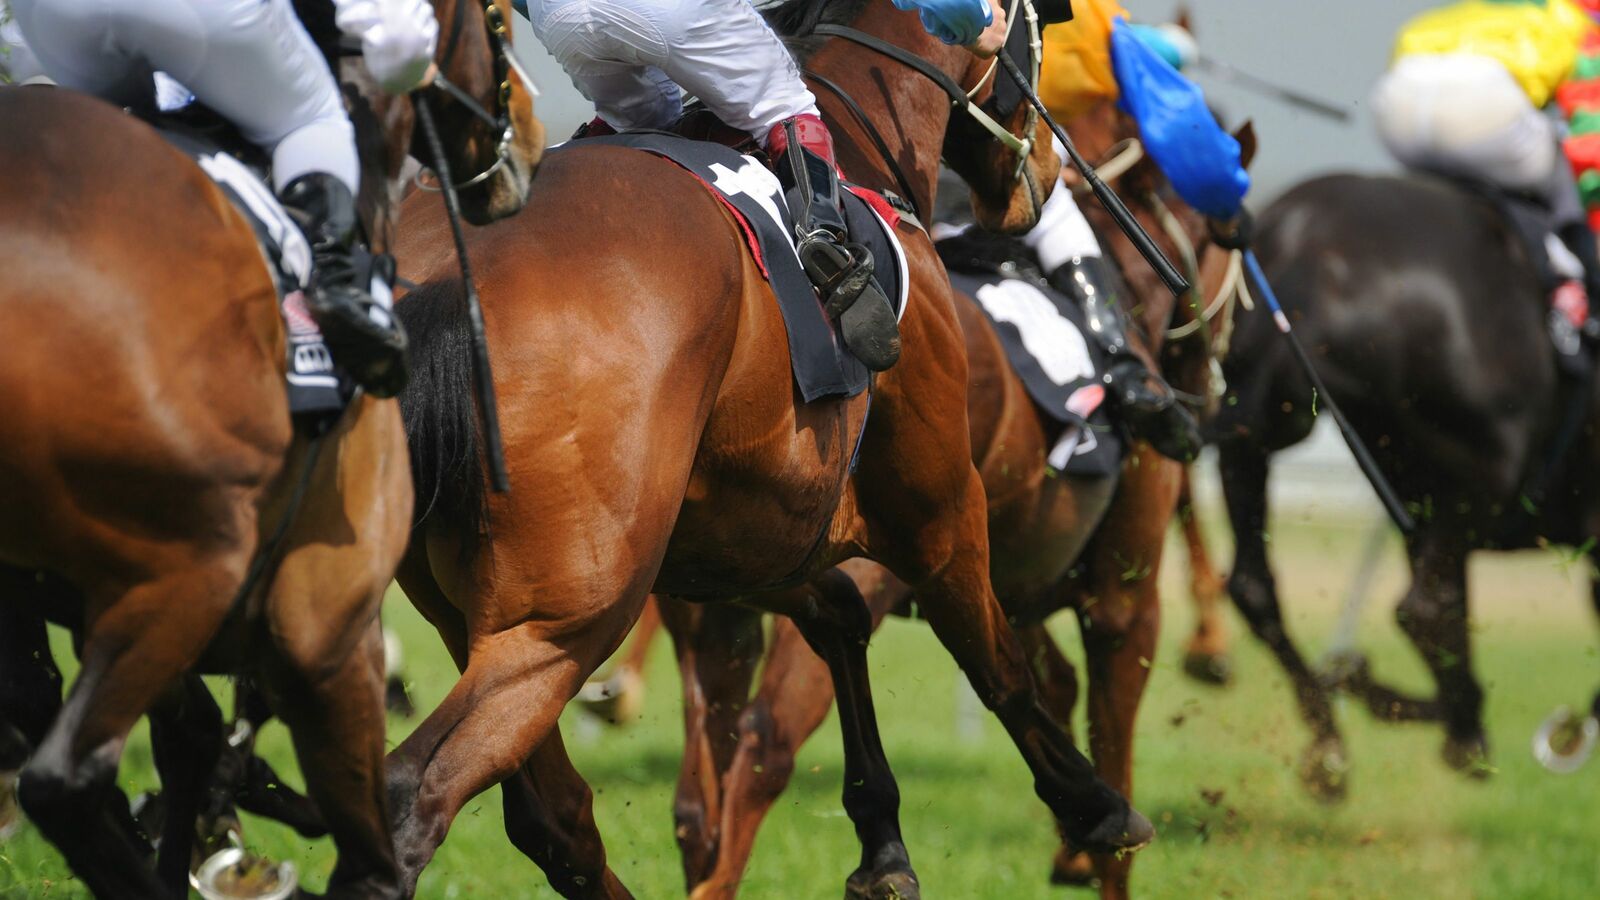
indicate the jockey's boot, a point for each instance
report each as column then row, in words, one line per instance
column 1580, row 239
column 802, row 152
column 363, row 336
column 1147, row 405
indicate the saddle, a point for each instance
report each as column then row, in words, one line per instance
column 1043, row 334
column 730, row 166
column 317, row 389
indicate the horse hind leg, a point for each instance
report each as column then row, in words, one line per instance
column 145, row 639
column 549, row 812
column 832, row 616
column 1434, row 615
column 1324, row 767
column 718, row 648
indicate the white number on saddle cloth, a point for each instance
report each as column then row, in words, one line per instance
column 293, row 248
column 759, row 184
column 1052, row 340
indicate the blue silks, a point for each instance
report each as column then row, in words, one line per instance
column 952, row 21
column 1200, row 159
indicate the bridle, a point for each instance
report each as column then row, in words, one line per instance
column 505, row 64
column 960, row 98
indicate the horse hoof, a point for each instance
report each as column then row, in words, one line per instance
column 1469, row 756
column 1071, row 868
column 10, row 810
column 1325, row 770
column 1209, row 668
column 237, row 874
column 1343, row 668
column 616, row 700
column 899, row 885
column 1563, row 743
column 1123, row 831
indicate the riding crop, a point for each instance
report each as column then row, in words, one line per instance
column 494, row 448
column 1175, row 282
column 1226, row 72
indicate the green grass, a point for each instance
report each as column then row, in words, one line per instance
column 1410, row 828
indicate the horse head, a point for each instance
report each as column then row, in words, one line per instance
column 904, row 99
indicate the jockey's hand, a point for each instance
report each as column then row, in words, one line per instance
column 963, row 22
column 993, row 39
column 398, row 38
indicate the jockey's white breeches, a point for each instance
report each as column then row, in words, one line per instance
column 1062, row 234
column 1464, row 115
column 635, row 59
column 17, row 62
column 250, row 60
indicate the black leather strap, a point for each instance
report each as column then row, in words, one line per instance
column 958, row 97
column 873, row 135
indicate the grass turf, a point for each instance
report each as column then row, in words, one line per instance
column 1215, row 769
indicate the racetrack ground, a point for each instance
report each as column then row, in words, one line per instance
column 1215, row 768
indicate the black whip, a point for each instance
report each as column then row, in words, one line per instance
column 1175, row 282
column 494, row 449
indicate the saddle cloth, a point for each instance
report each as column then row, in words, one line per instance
column 1043, row 333
column 823, row 367
column 316, row 387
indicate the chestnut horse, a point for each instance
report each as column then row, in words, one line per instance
column 158, row 498
column 655, row 442
column 739, row 756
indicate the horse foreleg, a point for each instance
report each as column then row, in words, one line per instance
column 718, row 647
column 1434, row 615
column 835, row 621
column 550, row 817
column 147, row 636
column 1324, row 765
column 30, row 687
column 1058, row 692
column 948, row 568
column 186, row 740
column 1205, row 657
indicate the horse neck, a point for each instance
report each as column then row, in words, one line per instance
column 909, row 111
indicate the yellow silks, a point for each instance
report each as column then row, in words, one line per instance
column 1076, row 72
column 1536, row 40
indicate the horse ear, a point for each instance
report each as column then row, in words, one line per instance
column 1183, row 19
column 1246, row 136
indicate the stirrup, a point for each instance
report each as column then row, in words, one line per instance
column 843, row 273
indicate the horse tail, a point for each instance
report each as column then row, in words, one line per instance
column 441, row 415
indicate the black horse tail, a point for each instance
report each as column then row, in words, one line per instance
column 441, row 415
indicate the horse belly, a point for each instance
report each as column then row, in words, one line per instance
column 1033, row 548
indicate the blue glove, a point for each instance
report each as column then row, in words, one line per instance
column 952, row 21
column 1200, row 159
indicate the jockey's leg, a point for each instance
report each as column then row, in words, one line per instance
column 1069, row 252
column 253, row 62
column 632, row 56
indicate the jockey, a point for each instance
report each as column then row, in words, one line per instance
column 253, row 62
column 1467, row 97
column 635, row 59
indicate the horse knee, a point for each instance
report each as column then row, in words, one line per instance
column 58, row 795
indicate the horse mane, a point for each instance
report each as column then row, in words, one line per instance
column 795, row 20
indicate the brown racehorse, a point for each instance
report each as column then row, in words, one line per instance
column 655, row 441
column 156, row 486
column 739, row 757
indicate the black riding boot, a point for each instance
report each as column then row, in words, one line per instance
column 364, row 338
column 802, row 151
column 1144, row 400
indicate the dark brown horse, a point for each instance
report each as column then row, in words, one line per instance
column 158, row 499
column 739, row 756
column 656, row 443
column 1427, row 320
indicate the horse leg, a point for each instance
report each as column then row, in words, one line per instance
column 1058, row 693
column 140, row 644
column 549, row 812
column 1324, row 766
column 948, row 567
column 834, row 619
column 253, row 785
column 186, row 741
column 1434, row 615
column 1205, row 657
column 718, row 648
column 30, row 687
